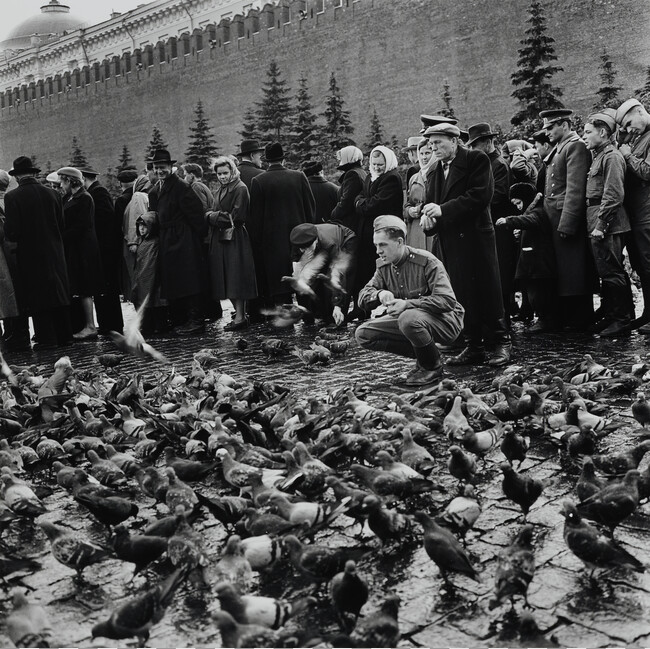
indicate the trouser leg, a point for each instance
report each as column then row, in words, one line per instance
column 109, row 312
column 44, row 328
column 638, row 248
column 542, row 294
column 384, row 335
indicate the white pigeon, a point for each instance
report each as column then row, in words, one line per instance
column 132, row 342
column 309, row 266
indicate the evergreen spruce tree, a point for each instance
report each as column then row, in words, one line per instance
column 274, row 111
column 338, row 127
column 111, row 182
column 447, row 109
column 643, row 93
column 125, row 159
column 250, row 127
column 608, row 91
column 78, row 158
column 376, row 133
column 202, row 148
column 306, row 135
column 532, row 80
column 157, row 142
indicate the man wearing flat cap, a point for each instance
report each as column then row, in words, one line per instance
column 565, row 205
column 324, row 252
column 182, row 229
column 634, row 122
column 607, row 223
column 457, row 207
column 34, row 226
column 421, row 308
column 108, row 228
column 481, row 138
column 325, row 192
column 281, row 199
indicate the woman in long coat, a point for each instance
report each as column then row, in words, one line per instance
column 382, row 194
column 81, row 247
column 415, row 236
column 351, row 185
column 232, row 272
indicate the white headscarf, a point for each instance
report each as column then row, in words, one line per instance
column 349, row 154
column 389, row 156
column 425, row 168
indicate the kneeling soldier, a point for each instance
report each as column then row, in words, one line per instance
column 421, row 308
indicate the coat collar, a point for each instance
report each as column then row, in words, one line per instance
column 28, row 180
column 456, row 171
column 171, row 182
column 572, row 137
column 316, row 179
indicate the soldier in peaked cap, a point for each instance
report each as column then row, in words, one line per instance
column 607, row 223
column 457, row 207
column 421, row 308
column 565, row 205
column 634, row 122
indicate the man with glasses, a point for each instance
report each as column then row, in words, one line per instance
column 565, row 205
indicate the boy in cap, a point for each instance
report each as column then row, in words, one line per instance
column 421, row 308
column 634, row 122
column 607, row 223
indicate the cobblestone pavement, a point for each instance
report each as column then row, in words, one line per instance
column 612, row 611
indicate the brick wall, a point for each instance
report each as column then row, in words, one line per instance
column 388, row 54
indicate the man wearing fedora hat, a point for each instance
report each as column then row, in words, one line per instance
column 34, row 224
column 108, row 228
column 281, row 199
column 325, row 192
column 457, row 207
column 182, row 229
column 481, row 138
column 634, row 122
column 565, row 205
column 250, row 161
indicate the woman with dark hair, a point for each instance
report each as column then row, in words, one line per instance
column 230, row 256
column 382, row 194
column 81, row 247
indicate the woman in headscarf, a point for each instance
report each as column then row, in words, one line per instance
column 230, row 256
column 382, row 194
column 351, row 185
column 415, row 236
column 81, row 247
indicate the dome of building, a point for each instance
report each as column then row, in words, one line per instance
column 54, row 19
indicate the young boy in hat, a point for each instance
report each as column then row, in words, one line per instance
column 421, row 308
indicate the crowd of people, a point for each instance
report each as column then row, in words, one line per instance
column 443, row 250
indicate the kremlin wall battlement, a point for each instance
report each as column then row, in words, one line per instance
column 387, row 55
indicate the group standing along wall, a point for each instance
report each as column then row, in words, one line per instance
column 391, row 55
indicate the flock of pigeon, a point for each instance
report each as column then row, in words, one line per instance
column 309, row 499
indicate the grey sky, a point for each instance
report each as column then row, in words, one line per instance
column 91, row 11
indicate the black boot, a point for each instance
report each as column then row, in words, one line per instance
column 605, row 312
column 620, row 313
column 429, row 366
column 644, row 318
column 195, row 323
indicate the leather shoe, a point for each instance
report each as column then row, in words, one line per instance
column 237, row 326
column 501, row 355
column 424, row 377
column 539, row 327
column 469, row 356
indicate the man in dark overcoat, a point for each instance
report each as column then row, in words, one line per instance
column 326, row 193
column 250, row 161
column 280, row 200
column 182, row 230
column 481, row 138
column 34, row 223
column 566, row 207
column 457, row 206
column 108, row 228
